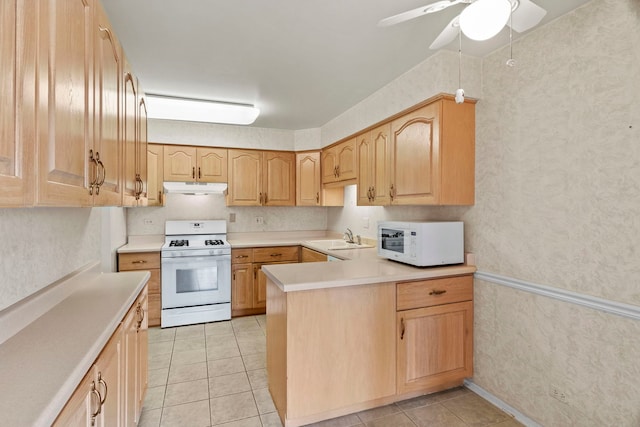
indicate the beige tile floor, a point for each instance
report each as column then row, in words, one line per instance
column 215, row 375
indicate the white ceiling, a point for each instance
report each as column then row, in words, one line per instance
column 302, row 62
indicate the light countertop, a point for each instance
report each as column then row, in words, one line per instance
column 363, row 271
column 150, row 243
column 41, row 365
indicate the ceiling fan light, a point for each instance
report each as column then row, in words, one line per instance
column 483, row 19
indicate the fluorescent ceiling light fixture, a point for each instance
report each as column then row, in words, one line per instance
column 195, row 110
column 483, row 19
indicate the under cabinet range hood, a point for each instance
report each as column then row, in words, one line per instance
column 195, row 187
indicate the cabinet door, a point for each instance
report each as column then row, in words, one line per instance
column 308, row 184
column 212, row 165
column 346, row 154
column 414, row 157
column 155, row 174
column 107, row 91
column 309, row 255
column 66, row 102
column 130, row 184
column 242, row 286
column 329, row 165
column 179, row 163
column 17, row 97
column 141, row 149
column 108, row 374
column 129, row 327
column 142, row 379
column 83, row 403
column 366, row 169
column 435, row 347
column 245, row 178
column 381, row 149
column 279, row 179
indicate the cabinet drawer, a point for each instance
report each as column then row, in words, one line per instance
column 427, row 293
column 275, row 254
column 138, row 261
column 241, row 255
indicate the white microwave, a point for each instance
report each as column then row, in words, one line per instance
column 423, row 244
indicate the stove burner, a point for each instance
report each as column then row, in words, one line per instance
column 213, row 242
column 179, row 243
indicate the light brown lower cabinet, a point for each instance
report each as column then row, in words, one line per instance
column 149, row 261
column 309, row 255
column 248, row 282
column 118, row 375
column 335, row 351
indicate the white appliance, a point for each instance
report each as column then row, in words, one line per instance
column 196, row 273
column 423, row 244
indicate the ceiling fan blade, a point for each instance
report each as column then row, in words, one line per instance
column 447, row 35
column 414, row 13
column 527, row 15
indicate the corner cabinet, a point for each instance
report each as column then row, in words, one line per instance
column 339, row 163
column 435, row 333
column 261, row 178
column 309, row 188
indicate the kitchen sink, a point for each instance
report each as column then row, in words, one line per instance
column 337, row 244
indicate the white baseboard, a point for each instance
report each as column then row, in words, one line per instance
column 519, row 416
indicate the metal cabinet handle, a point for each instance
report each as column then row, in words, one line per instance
column 437, row 292
column 335, row 171
column 100, row 176
column 141, row 261
column 242, row 256
column 317, row 197
column 160, row 196
column 391, row 192
column 140, row 313
column 95, row 393
column 104, row 384
column 401, row 328
column 255, row 272
column 95, row 180
column 260, row 198
column 199, row 173
column 276, row 254
column 193, row 172
column 338, row 171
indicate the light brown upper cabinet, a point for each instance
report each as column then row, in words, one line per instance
column 261, row 178
column 339, row 162
column 195, row 164
column 106, row 184
column 141, row 148
column 66, row 102
column 130, row 177
column 308, row 185
column 433, row 154
column 155, row 174
column 373, row 151
column 17, row 98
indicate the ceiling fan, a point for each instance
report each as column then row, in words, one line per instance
column 479, row 20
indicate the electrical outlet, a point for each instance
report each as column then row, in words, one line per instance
column 232, row 217
column 558, row 394
column 148, row 221
column 259, row 220
column 365, row 222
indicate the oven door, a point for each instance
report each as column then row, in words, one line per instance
column 198, row 280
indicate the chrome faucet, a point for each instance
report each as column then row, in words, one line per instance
column 348, row 236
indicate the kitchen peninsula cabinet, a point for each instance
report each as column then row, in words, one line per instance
column 149, row 261
column 261, row 178
column 195, row 164
column 155, row 174
column 135, row 349
column 17, row 95
column 248, row 282
column 339, row 163
column 373, row 151
column 435, row 333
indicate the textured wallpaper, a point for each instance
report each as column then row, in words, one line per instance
column 42, row 245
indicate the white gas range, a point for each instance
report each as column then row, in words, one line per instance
column 196, row 273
